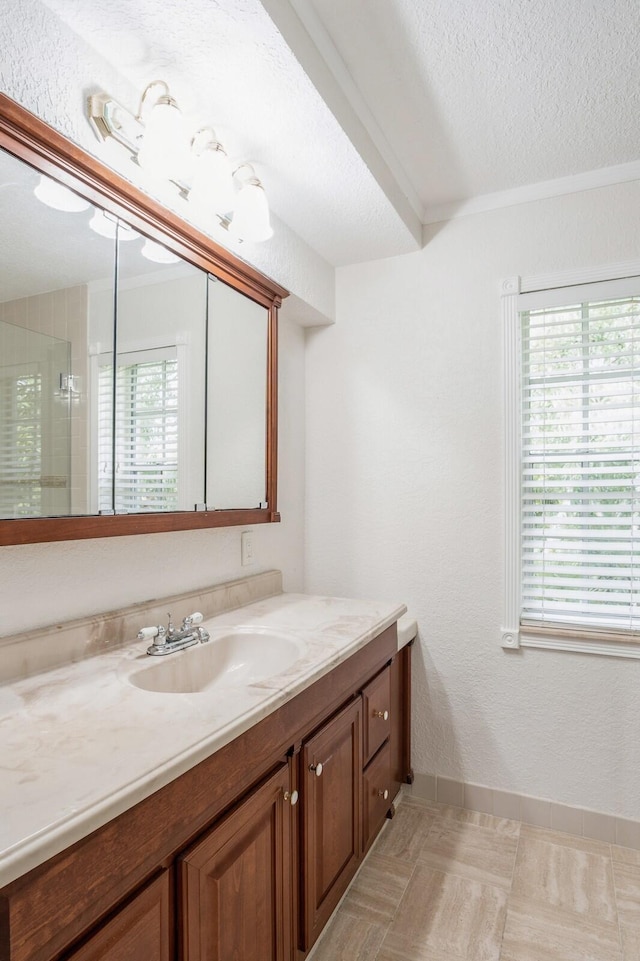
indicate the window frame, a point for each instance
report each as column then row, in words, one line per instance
column 518, row 294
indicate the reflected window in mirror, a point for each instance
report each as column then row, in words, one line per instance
column 149, row 421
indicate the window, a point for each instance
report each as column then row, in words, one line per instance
column 573, row 375
column 146, row 433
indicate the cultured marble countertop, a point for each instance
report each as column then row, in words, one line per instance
column 80, row 744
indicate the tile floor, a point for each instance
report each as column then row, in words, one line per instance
column 445, row 884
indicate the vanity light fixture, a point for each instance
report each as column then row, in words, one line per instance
column 251, row 214
column 212, row 183
column 155, row 140
column 157, row 253
column 163, row 152
column 53, row 194
column 107, row 226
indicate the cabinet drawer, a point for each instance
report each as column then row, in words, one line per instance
column 142, row 929
column 377, row 713
column 377, row 794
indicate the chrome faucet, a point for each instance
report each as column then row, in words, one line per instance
column 168, row 639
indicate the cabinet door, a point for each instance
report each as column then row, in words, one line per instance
column 332, row 777
column 235, row 884
column 142, row 929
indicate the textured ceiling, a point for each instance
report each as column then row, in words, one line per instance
column 228, row 66
column 479, row 96
column 363, row 116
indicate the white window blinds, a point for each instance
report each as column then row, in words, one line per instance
column 580, row 429
column 20, row 442
column 146, row 433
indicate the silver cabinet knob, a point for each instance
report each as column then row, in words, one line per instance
column 383, row 715
column 384, row 794
column 317, row 768
column 291, row 797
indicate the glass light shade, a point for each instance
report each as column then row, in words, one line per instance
column 251, row 216
column 53, row 194
column 106, row 227
column 157, row 253
column 164, row 152
column 213, row 188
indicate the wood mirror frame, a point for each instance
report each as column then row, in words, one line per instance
column 27, row 137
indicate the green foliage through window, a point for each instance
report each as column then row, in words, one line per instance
column 581, row 465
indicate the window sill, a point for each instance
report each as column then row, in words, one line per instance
column 579, row 642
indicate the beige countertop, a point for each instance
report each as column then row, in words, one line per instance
column 80, row 744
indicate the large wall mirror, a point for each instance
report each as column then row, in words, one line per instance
column 137, row 358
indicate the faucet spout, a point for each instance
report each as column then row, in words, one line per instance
column 169, row 639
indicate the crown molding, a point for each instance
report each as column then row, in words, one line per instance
column 545, row 190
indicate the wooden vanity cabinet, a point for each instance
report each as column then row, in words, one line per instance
column 332, row 806
column 376, row 700
column 377, row 795
column 141, row 929
column 400, row 712
column 218, row 865
column 235, row 883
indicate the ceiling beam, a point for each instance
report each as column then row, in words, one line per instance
column 314, row 49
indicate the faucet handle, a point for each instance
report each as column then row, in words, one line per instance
column 146, row 633
column 191, row 619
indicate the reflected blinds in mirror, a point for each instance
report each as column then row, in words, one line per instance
column 146, row 433
column 20, row 442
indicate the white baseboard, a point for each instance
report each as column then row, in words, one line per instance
column 531, row 810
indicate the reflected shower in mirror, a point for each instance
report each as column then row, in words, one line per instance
column 50, row 258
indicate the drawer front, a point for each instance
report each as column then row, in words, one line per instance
column 142, row 929
column 377, row 713
column 377, row 791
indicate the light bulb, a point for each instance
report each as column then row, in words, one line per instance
column 101, row 224
column 212, row 188
column 251, row 216
column 53, row 194
column 157, row 253
column 163, row 153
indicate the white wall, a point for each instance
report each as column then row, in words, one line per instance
column 405, row 500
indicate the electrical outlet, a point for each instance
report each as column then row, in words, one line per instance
column 246, row 548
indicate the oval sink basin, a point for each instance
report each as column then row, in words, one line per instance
column 233, row 658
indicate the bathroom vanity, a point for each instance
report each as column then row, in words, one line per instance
column 247, row 820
